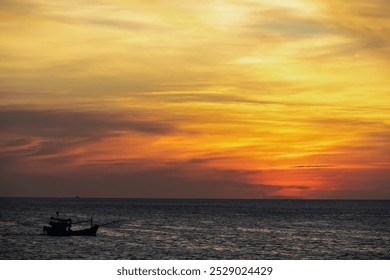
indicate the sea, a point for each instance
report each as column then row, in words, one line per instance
column 197, row 229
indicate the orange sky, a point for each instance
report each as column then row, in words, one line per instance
column 198, row 99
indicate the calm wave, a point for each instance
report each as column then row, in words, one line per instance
column 199, row 229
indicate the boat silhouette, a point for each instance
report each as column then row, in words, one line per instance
column 63, row 227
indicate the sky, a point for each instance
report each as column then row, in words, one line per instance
column 195, row 99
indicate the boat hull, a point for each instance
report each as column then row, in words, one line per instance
column 82, row 232
column 88, row 231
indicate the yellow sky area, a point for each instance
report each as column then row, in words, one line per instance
column 278, row 86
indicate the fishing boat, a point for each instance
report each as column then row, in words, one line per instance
column 63, row 227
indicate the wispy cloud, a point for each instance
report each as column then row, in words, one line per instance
column 63, row 134
column 67, row 123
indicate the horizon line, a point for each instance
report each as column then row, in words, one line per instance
column 187, row 198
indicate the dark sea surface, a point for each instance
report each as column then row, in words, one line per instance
column 199, row 229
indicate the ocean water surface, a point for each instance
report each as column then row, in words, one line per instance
column 198, row 229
